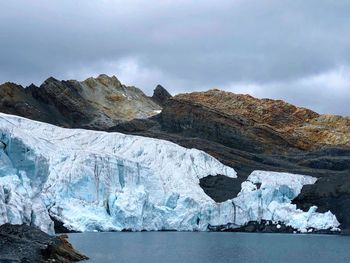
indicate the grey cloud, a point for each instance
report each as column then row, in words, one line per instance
column 184, row 45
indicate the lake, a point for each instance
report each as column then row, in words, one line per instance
column 192, row 247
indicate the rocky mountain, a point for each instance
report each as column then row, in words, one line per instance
column 249, row 134
column 240, row 131
column 95, row 103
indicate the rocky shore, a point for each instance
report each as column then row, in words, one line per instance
column 26, row 244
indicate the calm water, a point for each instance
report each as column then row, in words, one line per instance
column 153, row 247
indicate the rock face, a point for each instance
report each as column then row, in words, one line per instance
column 264, row 122
column 161, row 95
column 250, row 134
column 22, row 243
column 96, row 103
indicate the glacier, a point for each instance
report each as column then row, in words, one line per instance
column 99, row 181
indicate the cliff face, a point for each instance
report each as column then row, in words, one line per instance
column 301, row 128
column 96, row 103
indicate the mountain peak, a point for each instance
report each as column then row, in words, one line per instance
column 50, row 80
column 161, row 95
column 97, row 103
column 108, row 80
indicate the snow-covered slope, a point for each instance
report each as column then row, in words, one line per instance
column 110, row 181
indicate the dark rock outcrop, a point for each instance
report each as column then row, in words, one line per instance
column 59, row 226
column 331, row 192
column 161, row 95
column 265, row 226
column 22, row 243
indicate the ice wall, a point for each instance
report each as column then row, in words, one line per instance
column 110, row 181
column 20, row 179
column 268, row 195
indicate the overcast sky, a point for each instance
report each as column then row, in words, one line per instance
column 294, row 50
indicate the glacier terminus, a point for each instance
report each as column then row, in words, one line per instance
column 99, row 181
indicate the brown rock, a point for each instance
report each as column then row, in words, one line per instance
column 301, row 127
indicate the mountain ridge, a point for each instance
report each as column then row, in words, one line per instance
column 281, row 116
column 95, row 103
column 240, row 131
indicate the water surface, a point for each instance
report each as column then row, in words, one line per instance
column 192, row 247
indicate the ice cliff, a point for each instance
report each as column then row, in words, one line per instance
column 98, row 181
